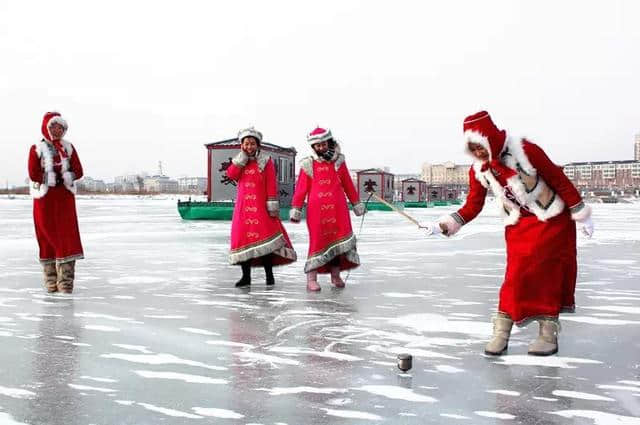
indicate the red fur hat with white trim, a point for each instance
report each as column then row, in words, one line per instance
column 49, row 119
column 319, row 135
column 479, row 128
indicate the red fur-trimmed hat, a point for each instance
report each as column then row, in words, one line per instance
column 479, row 128
column 49, row 119
column 319, row 135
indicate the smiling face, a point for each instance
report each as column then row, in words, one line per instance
column 249, row 145
column 478, row 151
column 56, row 130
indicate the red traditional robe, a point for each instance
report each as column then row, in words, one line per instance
column 325, row 183
column 541, row 270
column 54, row 207
column 254, row 233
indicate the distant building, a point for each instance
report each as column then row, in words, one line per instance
column 604, row 174
column 636, row 148
column 445, row 192
column 91, row 185
column 447, row 173
column 128, row 183
column 413, row 190
column 375, row 180
column 219, row 155
column 196, row 185
column 160, row 184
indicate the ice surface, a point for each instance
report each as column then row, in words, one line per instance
column 155, row 332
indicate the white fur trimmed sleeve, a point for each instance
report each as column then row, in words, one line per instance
column 580, row 211
column 273, row 206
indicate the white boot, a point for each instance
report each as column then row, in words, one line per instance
column 502, row 325
column 547, row 342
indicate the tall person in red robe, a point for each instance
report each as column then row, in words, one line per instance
column 541, row 207
column 54, row 166
column 257, row 235
column 324, row 179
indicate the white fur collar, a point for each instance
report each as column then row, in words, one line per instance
column 46, row 152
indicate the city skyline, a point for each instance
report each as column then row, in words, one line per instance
column 392, row 83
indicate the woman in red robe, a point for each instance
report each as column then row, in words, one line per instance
column 257, row 235
column 54, row 166
column 324, row 179
column 540, row 206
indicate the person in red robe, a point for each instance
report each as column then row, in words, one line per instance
column 541, row 207
column 257, row 235
column 324, row 179
column 54, row 167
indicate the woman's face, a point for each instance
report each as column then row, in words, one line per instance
column 56, row 131
column 249, row 145
column 479, row 151
column 320, row 147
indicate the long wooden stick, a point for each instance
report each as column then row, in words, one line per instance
column 393, row 207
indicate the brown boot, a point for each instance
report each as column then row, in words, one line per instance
column 66, row 275
column 50, row 277
column 502, row 325
column 547, row 342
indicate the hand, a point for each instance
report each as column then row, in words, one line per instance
column 273, row 213
column 68, row 178
column 359, row 209
column 430, row 228
column 586, row 227
column 295, row 215
column 51, row 178
column 241, row 159
column 448, row 225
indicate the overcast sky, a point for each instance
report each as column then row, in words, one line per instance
column 141, row 82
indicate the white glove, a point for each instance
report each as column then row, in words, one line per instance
column 450, row 224
column 586, row 226
column 430, row 228
column 68, row 178
column 295, row 215
column 241, row 159
column 359, row 209
column 51, row 178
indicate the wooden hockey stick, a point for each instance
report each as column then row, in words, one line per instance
column 393, row 207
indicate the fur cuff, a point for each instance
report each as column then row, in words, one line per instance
column 68, row 177
column 580, row 211
column 295, row 214
column 51, row 178
column 452, row 224
column 273, row 206
column 241, row 159
column 358, row 209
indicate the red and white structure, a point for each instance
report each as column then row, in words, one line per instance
column 375, row 180
column 222, row 189
column 414, row 190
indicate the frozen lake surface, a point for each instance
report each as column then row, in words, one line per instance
column 155, row 332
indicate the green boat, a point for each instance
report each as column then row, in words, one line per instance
column 190, row 210
column 416, row 205
column 379, row 206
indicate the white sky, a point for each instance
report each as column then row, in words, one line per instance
column 141, row 82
